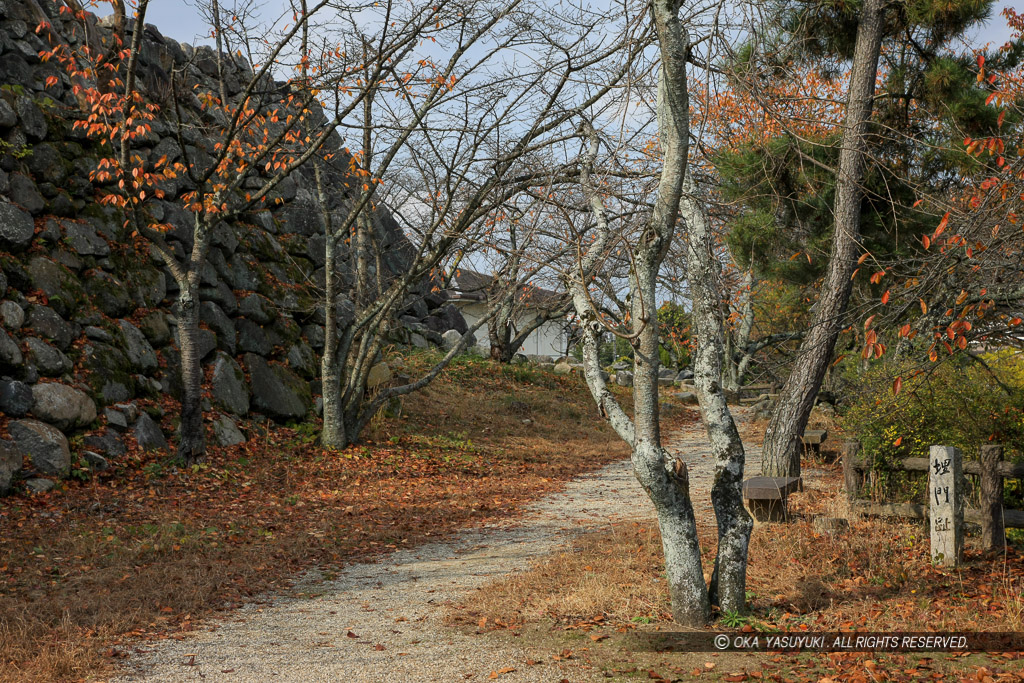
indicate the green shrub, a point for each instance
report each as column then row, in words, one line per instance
column 966, row 405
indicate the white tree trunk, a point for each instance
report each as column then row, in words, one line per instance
column 728, row 585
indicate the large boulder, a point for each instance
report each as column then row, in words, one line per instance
column 450, row 339
column 63, row 292
column 277, row 392
column 62, row 406
column 257, row 308
column 45, row 445
column 109, row 294
column 252, row 338
column 155, row 328
column 563, row 369
column 218, row 321
column 108, row 442
column 379, row 374
column 16, row 226
column 15, row 398
column 12, row 316
column 148, row 435
column 624, row 378
column 49, row 360
column 82, row 238
column 140, row 354
column 302, row 359
column 46, row 323
column 11, row 359
column 108, row 372
column 228, row 388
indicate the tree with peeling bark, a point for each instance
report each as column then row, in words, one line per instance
column 666, row 479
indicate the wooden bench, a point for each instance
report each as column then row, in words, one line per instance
column 813, row 438
column 767, row 497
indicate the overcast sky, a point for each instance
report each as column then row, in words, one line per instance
column 180, row 20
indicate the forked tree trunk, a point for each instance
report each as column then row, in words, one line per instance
column 666, row 482
column 782, row 439
column 729, row 581
column 192, row 441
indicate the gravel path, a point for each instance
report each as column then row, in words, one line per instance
column 383, row 622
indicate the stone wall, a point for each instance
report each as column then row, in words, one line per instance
column 87, row 327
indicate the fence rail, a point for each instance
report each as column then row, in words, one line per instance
column 990, row 468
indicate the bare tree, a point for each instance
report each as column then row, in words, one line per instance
column 447, row 138
column 666, row 480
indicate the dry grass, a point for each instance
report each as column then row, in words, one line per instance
column 146, row 550
column 875, row 576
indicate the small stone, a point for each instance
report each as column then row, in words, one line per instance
column 226, row 432
column 830, row 525
column 98, row 334
column 624, row 378
column 95, row 461
column 39, row 485
column 116, row 419
column 130, row 410
column 563, row 369
column 108, row 442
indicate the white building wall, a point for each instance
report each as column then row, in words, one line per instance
column 546, row 340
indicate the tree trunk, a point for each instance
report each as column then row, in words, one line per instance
column 729, row 580
column 499, row 331
column 334, row 434
column 667, row 484
column 782, row 443
column 192, row 441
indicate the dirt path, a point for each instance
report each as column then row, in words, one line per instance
column 383, row 621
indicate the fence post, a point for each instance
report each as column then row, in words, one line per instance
column 993, row 535
column 945, row 486
column 851, row 479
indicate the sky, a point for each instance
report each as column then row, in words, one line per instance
column 180, row 20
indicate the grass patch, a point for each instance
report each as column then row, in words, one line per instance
column 147, row 549
column 876, row 576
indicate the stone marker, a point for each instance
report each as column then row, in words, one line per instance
column 945, row 493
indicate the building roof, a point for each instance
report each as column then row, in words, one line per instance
column 469, row 285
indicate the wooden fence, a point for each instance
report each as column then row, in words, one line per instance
column 990, row 469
